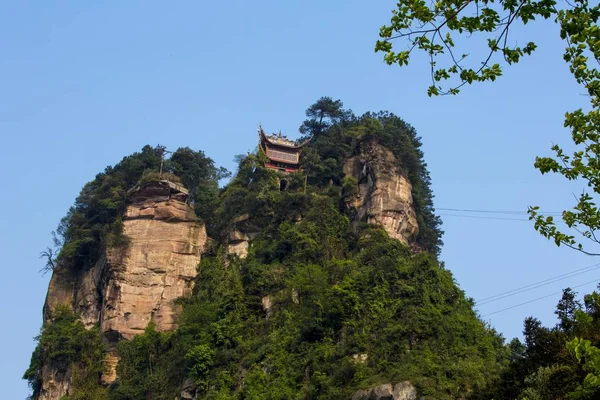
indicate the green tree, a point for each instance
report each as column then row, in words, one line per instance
column 201, row 360
column 336, row 134
column 435, row 28
column 567, row 309
column 562, row 362
column 96, row 217
column 323, row 114
column 201, row 177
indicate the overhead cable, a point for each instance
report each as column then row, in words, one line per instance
column 497, row 211
column 536, row 285
column 483, row 217
column 539, row 298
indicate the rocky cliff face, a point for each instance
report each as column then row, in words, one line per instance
column 136, row 283
column 383, row 195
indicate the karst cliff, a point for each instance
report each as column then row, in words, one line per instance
column 140, row 280
column 312, row 274
column 135, row 283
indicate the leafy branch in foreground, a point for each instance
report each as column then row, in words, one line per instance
column 433, row 30
column 589, row 357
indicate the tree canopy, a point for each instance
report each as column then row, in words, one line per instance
column 560, row 362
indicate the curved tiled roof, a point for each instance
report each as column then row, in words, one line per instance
column 281, row 140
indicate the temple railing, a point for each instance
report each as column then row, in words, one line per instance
column 286, row 157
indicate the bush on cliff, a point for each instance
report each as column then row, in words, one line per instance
column 65, row 345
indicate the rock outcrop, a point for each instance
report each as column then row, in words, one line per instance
column 383, row 195
column 400, row 391
column 158, row 266
column 241, row 234
column 136, row 283
column 56, row 382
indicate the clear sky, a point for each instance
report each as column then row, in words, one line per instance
column 83, row 84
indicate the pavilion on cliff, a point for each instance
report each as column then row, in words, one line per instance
column 283, row 154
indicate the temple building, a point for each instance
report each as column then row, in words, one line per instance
column 283, row 154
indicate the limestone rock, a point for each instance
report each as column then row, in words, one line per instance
column 132, row 285
column 240, row 248
column 110, row 366
column 56, row 382
column 400, row 391
column 159, row 209
column 241, row 234
column 158, row 267
column 383, row 392
column 361, row 358
column 404, row 391
column 383, row 195
column 267, row 303
column 188, row 391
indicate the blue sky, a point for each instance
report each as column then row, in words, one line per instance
column 83, row 84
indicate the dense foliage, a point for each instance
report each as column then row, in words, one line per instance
column 562, row 362
column 315, row 311
column 319, row 308
column 66, row 346
column 95, row 218
column 201, row 177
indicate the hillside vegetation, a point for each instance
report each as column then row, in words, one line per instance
column 316, row 310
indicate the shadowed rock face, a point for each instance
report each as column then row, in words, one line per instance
column 400, row 391
column 241, row 234
column 56, row 382
column 384, row 195
column 133, row 285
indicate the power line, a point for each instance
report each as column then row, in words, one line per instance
column 497, row 211
column 496, row 218
column 507, row 217
column 483, row 217
column 542, row 281
column 539, row 298
column 536, row 285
